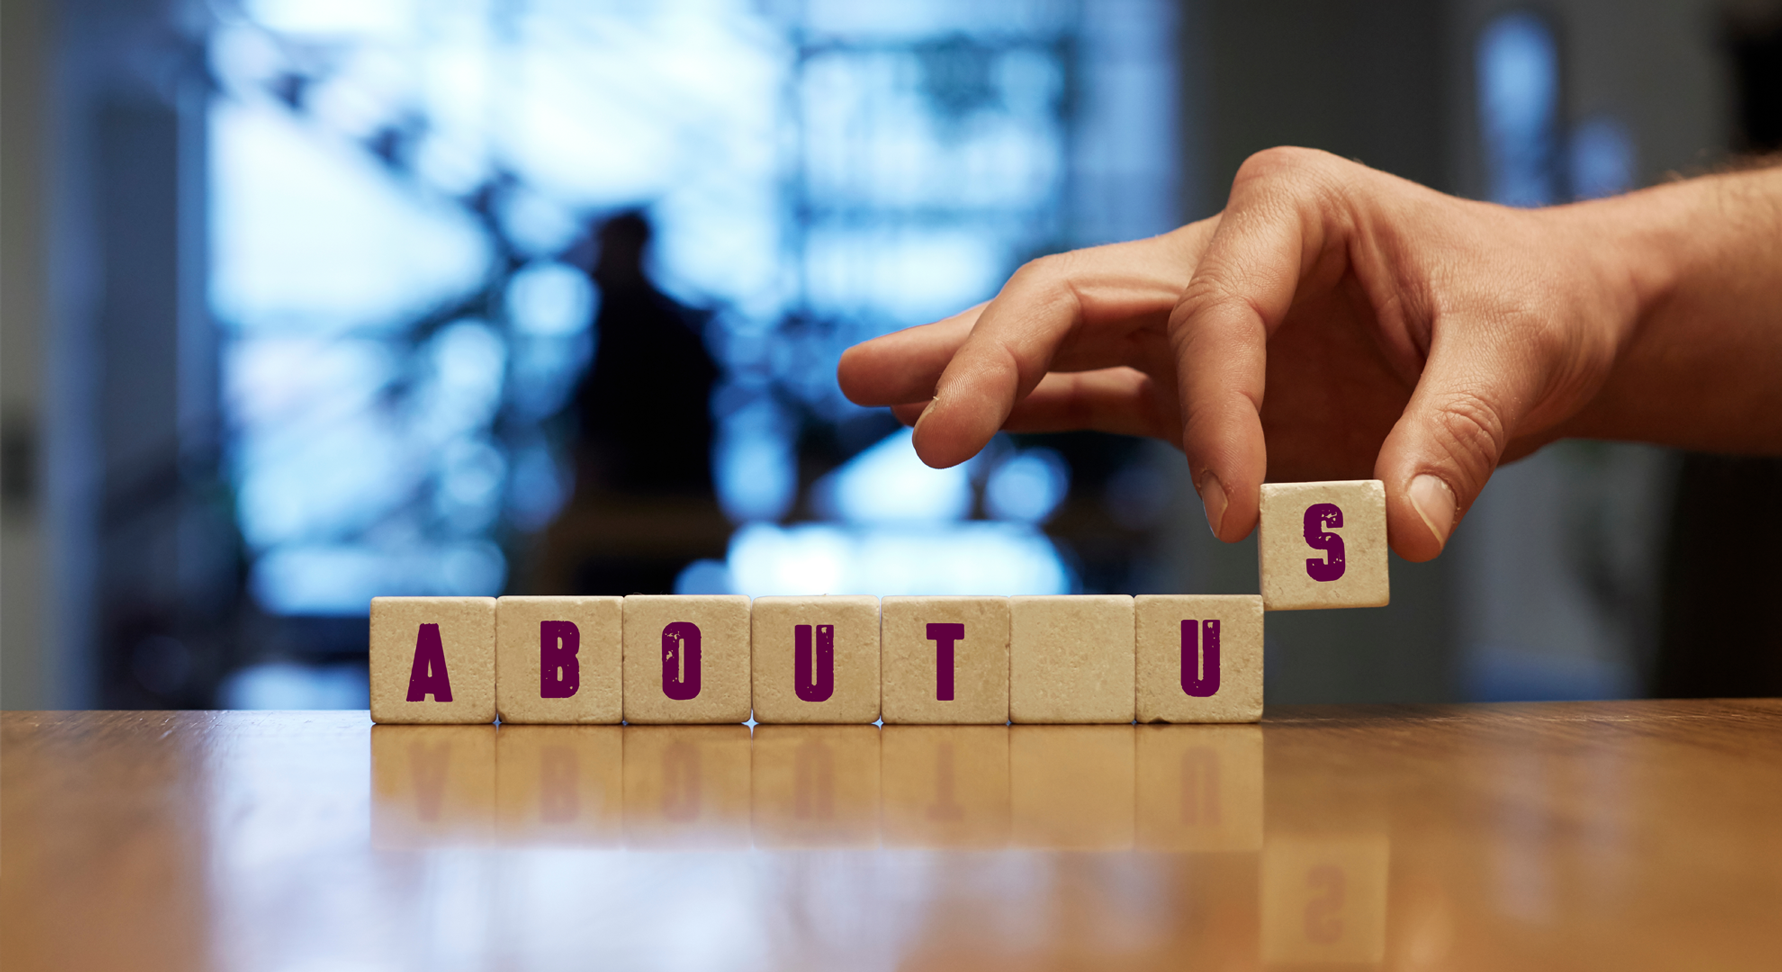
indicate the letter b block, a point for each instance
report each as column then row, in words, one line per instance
column 686, row 658
column 816, row 659
column 1323, row 545
column 1199, row 658
column 557, row 659
column 945, row 660
column 433, row 659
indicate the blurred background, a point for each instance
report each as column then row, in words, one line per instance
column 307, row 301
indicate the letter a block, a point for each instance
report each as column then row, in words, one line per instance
column 1199, row 658
column 946, row 660
column 816, row 659
column 557, row 659
column 433, row 659
column 1323, row 545
column 686, row 658
column 1070, row 659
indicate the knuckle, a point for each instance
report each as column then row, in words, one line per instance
column 1472, row 432
column 1281, row 161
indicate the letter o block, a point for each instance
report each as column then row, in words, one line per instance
column 686, row 658
column 433, row 659
column 1323, row 545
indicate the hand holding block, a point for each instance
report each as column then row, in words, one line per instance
column 816, row 659
column 1323, row 545
column 433, row 659
column 945, row 660
column 557, row 659
column 1199, row 658
column 1070, row 659
column 686, row 658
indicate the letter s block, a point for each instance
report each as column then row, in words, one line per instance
column 433, row 660
column 557, row 660
column 1323, row 545
column 1199, row 657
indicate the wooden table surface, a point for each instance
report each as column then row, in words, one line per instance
column 1624, row 835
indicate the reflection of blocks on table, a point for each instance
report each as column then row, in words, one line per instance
column 1071, row 659
column 1199, row 658
column 1324, row 898
column 686, row 658
column 432, row 786
column 945, row 660
column 560, row 785
column 557, row 659
column 1199, row 788
column 815, row 786
column 433, row 660
column 815, row 659
column 945, row 786
column 687, row 786
column 1323, row 545
column 1071, row 787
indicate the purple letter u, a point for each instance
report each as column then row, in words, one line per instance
column 817, row 685
column 1200, row 669
column 680, row 661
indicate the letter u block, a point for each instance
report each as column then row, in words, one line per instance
column 1199, row 658
column 558, row 659
column 1323, row 545
column 686, row 658
column 816, row 659
column 433, row 659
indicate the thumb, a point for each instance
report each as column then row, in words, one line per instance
column 1451, row 438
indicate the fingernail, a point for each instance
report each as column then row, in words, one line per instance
column 1212, row 495
column 1434, row 502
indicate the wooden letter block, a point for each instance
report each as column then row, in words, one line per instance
column 686, row 658
column 1324, row 899
column 815, row 786
column 687, row 787
column 1200, row 788
column 1323, row 545
column 1071, row 787
column 1199, row 658
column 557, row 659
column 1071, row 659
column 433, row 659
column 816, row 659
column 945, row 786
column 432, row 786
column 559, row 785
column 946, row 660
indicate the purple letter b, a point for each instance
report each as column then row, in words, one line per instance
column 680, row 661
column 817, row 685
column 1318, row 517
column 943, row 635
column 559, row 673
column 428, row 675
column 1200, row 669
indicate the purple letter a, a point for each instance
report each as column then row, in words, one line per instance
column 428, row 676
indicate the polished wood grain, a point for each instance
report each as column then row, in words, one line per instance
column 1624, row 835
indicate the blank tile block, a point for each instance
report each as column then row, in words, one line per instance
column 1324, row 898
column 816, row 659
column 560, row 785
column 1071, row 659
column 815, row 786
column 559, row 659
column 687, row 787
column 945, row 660
column 433, row 659
column 686, row 658
column 1071, row 787
column 1200, row 788
column 432, row 786
column 1323, row 545
column 945, row 786
column 1199, row 658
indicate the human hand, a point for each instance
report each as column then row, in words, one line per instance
column 1399, row 334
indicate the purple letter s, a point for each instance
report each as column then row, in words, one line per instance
column 1318, row 517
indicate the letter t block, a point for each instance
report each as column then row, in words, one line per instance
column 433, row 659
column 946, row 660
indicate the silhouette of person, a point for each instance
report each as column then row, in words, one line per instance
column 644, row 406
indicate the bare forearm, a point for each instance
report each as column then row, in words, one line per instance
column 1701, row 366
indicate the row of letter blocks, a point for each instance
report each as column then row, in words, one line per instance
column 669, row 659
